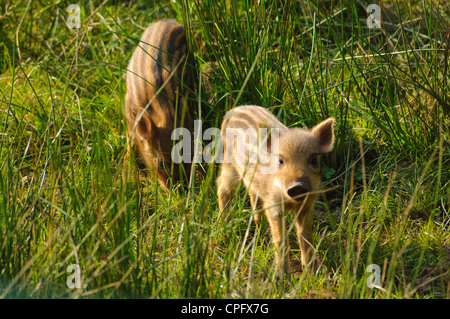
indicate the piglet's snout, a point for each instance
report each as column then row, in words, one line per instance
column 297, row 188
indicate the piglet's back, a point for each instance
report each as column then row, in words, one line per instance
column 251, row 116
column 161, row 52
column 162, row 47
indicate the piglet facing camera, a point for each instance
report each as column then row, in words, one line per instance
column 280, row 168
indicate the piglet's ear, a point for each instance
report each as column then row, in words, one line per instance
column 324, row 132
column 146, row 128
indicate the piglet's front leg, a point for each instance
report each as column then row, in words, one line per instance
column 276, row 221
column 304, row 234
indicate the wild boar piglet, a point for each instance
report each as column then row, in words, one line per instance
column 280, row 167
column 159, row 78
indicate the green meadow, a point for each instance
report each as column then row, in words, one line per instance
column 68, row 197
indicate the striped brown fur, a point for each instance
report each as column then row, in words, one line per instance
column 159, row 75
column 291, row 184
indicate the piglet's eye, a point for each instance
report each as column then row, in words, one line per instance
column 314, row 160
column 281, row 161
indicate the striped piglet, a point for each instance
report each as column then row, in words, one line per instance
column 158, row 80
column 280, row 168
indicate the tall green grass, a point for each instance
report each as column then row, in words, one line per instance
column 65, row 199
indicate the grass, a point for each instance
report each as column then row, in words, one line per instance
column 64, row 198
